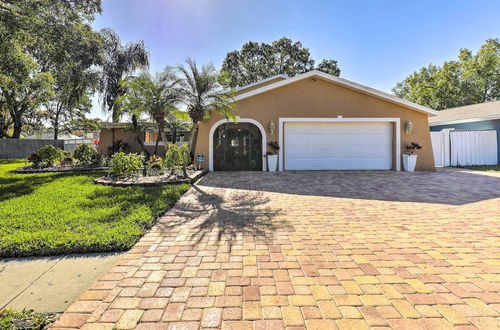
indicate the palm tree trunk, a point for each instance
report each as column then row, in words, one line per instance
column 157, row 141
column 139, row 139
column 192, row 135
column 161, row 129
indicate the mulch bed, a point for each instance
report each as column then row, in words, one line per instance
column 53, row 169
column 149, row 181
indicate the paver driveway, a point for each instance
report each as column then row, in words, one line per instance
column 321, row 250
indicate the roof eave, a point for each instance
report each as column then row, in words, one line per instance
column 464, row 120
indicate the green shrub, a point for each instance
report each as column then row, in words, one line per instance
column 50, row 155
column 35, row 159
column 155, row 169
column 177, row 158
column 85, row 154
column 126, row 164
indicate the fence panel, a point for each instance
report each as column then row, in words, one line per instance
column 20, row 148
column 70, row 145
column 474, row 147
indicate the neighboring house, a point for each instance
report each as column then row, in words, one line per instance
column 321, row 122
column 124, row 133
column 482, row 116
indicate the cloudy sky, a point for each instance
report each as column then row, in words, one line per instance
column 376, row 42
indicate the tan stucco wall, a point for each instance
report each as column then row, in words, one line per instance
column 125, row 135
column 308, row 98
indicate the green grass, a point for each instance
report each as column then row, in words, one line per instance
column 58, row 213
column 26, row 319
column 487, row 168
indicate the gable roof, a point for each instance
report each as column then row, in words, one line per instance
column 468, row 113
column 342, row 82
column 262, row 82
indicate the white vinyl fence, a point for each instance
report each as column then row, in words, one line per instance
column 464, row 147
column 70, row 145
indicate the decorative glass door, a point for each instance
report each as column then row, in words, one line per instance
column 237, row 147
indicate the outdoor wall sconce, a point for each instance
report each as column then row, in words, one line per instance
column 271, row 127
column 409, row 127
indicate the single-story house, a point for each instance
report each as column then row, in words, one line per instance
column 113, row 133
column 481, row 116
column 321, row 122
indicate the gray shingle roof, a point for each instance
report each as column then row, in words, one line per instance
column 473, row 111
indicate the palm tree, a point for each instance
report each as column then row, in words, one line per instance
column 120, row 62
column 178, row 121
column 204, row 94
column 155, row 96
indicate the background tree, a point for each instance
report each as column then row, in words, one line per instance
column 40, row 37
column 85, row 124
column 329, row 66
column 76, row 76
column 177, row 121
column 468, row 80
column 22, row 87
column 257, row 61
column 155, row 96
column 120, row 62
column 204, row 93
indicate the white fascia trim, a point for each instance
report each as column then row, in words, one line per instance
column 342, row 82
column 261, row 81
column 397, row 121
column 462, row 121
column 148, row 144
column 239, row 120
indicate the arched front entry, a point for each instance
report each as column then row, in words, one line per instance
column 237, row 146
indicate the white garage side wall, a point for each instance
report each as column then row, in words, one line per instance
column 397, row 132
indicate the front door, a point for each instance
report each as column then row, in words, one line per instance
column 237, row 147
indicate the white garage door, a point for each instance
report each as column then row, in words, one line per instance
column 338, row 146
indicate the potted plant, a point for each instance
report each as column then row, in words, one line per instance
column 272, row 156
column 409, row 158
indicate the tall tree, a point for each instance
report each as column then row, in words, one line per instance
column 256, row 61
column 472, row 78
column 204, row 93
column 22, row 88
column 329, row 66
column 120, row 62
column 155, row 96
column 40, row 38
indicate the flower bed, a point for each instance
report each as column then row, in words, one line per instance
column 146, row 181
column 29, row 169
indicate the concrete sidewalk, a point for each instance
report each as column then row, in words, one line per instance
column 50, row 284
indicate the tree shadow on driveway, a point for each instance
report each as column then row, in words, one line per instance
column 226, row 217
column 448, row 186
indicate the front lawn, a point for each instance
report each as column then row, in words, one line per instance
column 58, row 213
column 487, row 168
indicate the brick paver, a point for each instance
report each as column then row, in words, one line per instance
column 321, row 250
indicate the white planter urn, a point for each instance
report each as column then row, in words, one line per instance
column 409, row 162
column 272, row 163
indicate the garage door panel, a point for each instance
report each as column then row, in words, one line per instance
column 344, row 164
column 341, row 151
column 323, row 146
